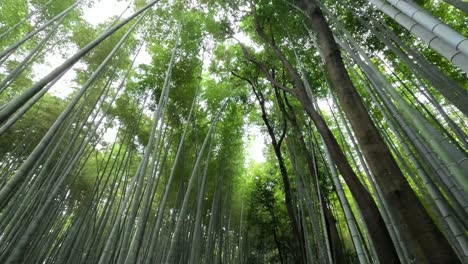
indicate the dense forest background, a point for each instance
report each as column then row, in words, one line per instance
column 280, row 131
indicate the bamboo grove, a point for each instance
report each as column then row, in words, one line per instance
column 127, row 140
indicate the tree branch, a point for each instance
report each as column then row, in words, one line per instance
column 270, row 41
column 252, row 84
column 263, row 68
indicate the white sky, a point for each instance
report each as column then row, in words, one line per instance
column 254, row 142
column 104, row 9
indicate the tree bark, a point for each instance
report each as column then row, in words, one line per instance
column 429, row 245
column 376, row 226
column 300, row 254
column 336, row 245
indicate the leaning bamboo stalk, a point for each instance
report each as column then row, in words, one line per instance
column 20, row 113
column 455, row 160
column 10, row 29
column 18, row 178
column 384, row 209
column 18, row 252
column 439, row 166
column 444, row 213
column 452, row 222
column 23, row 64
column 17, row 102
column 414, row 60
column 434, row 41
column 14, row 46
column 57, row 172
column 456, row 40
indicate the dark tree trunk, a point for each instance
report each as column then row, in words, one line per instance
column 378, row 233
column 275, row 235
column 299, row 243
column 427, row 242
column 375, row 224
column 334, row 238
column 332, row 232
